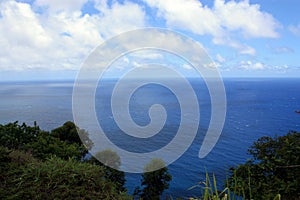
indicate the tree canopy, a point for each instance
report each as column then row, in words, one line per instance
column 154, row 182
column 110, row 158
column 273, row 169
column 36, row 164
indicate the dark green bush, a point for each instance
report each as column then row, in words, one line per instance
column 62, row 179
column 273, row 169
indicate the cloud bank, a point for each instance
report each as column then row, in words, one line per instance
column 55, row 34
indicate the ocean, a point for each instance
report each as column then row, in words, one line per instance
column 256, row 107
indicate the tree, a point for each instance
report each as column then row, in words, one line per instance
column 15, row 136
column 64, row 142
column 70, row 133
column 46, row 146
column 111, row 162
column 35, row 164
column 155, row 182
column 273, row 169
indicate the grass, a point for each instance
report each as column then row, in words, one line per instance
column 210, row 190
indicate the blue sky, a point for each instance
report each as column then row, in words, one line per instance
column 50, row 39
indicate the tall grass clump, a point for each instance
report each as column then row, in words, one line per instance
column 236, row 191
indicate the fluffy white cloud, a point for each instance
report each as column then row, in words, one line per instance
column 187, row 14
column 247, row 18
column 55, row 34
column 22, row 26
column 221, row 21
column 52, row 34
column 281, row 68
column 240, row 47
column 249, row 65
column 22, row 37
column 119, row 17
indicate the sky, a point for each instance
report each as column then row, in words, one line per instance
column 50, row 39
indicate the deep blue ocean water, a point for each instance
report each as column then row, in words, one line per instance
column 255, row 107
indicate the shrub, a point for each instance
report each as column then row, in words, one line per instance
column 63, row 179
column 273, row 169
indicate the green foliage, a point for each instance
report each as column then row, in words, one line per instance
column 210, row 191
column 4, row 167
column 11, row 161
column 20, row 158
column 4, row 157
column 46, row 146
column 111, row 158
column 274, row 169
column 71, row 134
column 154, row 182
column 61, row 179
column 15, row 136
column 36, row 164
column 63, row 141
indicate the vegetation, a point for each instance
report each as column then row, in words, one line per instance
column 71, row 134
column 273, row 169
column 210, row 191
column 154, row 182
column 36, row 164
column 273, row 173
column 40, row 143
column 60, row 179
column 49, row 165
column 111, row 158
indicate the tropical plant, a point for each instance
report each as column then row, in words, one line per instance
column 154, row 182
column 273, row 169
column 109, row 159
